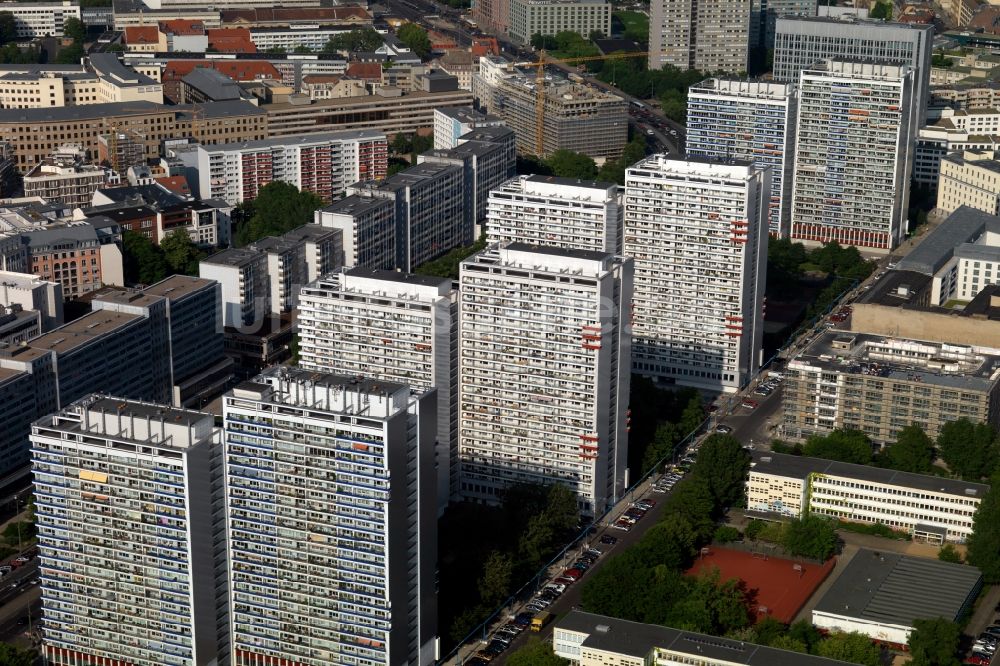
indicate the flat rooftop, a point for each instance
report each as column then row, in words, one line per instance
column 637, row 640
column 964, row 225
column 898, row 589
column 146, row 410
column 827, row 352
column 139, row 299
column 177, row 287
column 355, row 384
column 396, row 276
column 311, row 233
column 801, row 467
column 571, row 182
column 589, row 255
column 356, row 205
column 83, row 331
column 296, row 140
column 232, row 257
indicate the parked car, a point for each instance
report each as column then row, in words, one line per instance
column 523, row 619
column 609, row 540
column 623, row 525
column 723, row 429
column 749, row 404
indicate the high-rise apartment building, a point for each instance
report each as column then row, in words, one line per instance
column 697, row 230
column 368, row 225
column 544, row 350
column 561, row 212
column 429, row 211
column 389, row 326
column 246, row 292
column 765, row 13
column 707, row 35
column 323, row 163
column 125, row 512
column 754, row 121
column 853, row 154
column 331, row 513
column 801, row 42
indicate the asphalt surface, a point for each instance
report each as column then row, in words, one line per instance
column 570, row 599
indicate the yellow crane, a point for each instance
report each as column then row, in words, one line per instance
column 539, row 66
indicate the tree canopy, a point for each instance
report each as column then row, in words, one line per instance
column 567, row 164
column 8, row 28
column 74, row 29
column 723, row 465
column 70, row 55
column 180, row 253
column 415, row 38
column 536, row 653
column 853, row 647
column 278, row 208
column 811, row 536
column 984, row 542
column 969, row 449
column 851, row 446
column 934, row 642
column 365, row 39
column 15, row 656
column 913, row 451
column 143, row 262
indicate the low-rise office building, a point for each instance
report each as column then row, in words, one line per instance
column 879, row 385
column 953, row 131
column 882, row 594
column 34, row 20
column 451, row 123
column 970, row 178
column 930, row 508
column 587, row 639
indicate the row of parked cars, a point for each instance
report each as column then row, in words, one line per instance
column 666, row 482
column 985, row 646
column 534, row 611
column 633, row 514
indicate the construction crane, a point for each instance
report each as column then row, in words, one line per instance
column 539, row 66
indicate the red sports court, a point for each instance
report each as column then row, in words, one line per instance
column 781, row 586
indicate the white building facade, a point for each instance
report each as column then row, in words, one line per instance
column 754, row 121
column 697, row 230
column 544, row 350
column 853, row 155
column 330, row 502
column 41, row 19
column 368, row 225
column 561, row 212
column 389, row 326
column 125, row 512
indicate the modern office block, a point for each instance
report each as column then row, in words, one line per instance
column 389, row 326
column 953, row 131
column 707, row 35
column 970, row 178
column 765, row 13
column 879, row 385
column 450, row 123
column 853, row 155
column 754, row 121
column 560, row 212
column 368, row 228
column 801, row 42
column 41, row 19
column 429, row 211
column 550, row 17
column 486, row 162
column 697, row 230
column 331, row 505
column 124, row 507
column 928, row 507
column 544, row 365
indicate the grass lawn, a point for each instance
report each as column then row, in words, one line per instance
column 636, row 25
column 956, row 303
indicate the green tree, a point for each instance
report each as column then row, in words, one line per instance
column 805, row 633
column 634, row 151
column 851, row 446
column 276, row 50
column 142, row 261
column 693, row 500
column 673, row 104
column 302, row 48
column 983, row 546
column 561, row 510
column 547, row 42
column 913, row 451
column 969, row 449
column 853, row 647
column 494, row 585
column 279, row 207
column 447, row 266
column 664, row 441
column 567, row 164
column 415, row 38
column 949, row 553
column 536, row 541
column 115, row 47
column 670, row 543
column 15, row 656
column 934, row 642
column 180, row 253
column 726, row 534
column 74, row 29
column 882, row 10
column 753, row 529
column 723, row 465
column 812, row 536
column 536, row 653
column 786, row 642
column 70, row 55
column 365, row 39
column 692, row 417
column 8, row 28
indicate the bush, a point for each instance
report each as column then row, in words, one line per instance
column 949, row 553
column 754, row 529
column 727, row 534
column 876, row 529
